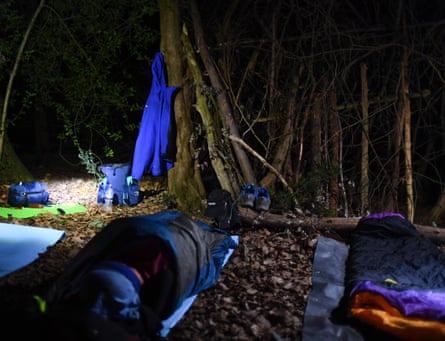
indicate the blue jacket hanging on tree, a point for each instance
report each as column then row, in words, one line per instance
column 154, row 150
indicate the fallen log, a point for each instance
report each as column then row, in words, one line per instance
column 281, row 221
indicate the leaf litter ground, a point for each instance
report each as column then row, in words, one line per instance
column 260, row 295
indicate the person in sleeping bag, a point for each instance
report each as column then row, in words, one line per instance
column 133, row 275
column 142, row 271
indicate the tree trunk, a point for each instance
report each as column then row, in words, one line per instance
column 12, row 76
column 287, row 137
column 11, row 167
column 364, row 180
column 316, row 134
column 221, row 95
column 276, row 221
column 438, row 211
column 392, row 200
column 184, row 180
column 406, row 108
column 334, row 138
column 207, row 120
column 300, row 128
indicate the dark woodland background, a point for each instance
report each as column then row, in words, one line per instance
column 340, row 104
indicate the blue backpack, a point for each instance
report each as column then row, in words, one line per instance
column 125, row 189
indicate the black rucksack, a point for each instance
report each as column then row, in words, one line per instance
column 223, row 209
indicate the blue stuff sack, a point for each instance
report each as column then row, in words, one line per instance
column 125, row 189
column 23, row 194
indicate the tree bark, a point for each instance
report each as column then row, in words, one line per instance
column 184, row 180
column 221, row 94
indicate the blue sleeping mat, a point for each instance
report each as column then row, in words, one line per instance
column 20, row 245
